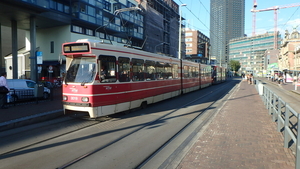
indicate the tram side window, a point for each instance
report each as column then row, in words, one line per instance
column 150, row 70
column 124, row 69
column 185, row 71
column 190, row 71
column 138, row 70
column 160, row 71
column 196, row 71
column 168, row 71
column 107, row 68
column 175, row 71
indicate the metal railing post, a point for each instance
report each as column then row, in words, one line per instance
column 286, row 126
column 278, row 116
column 298, row 144
column 274, row 110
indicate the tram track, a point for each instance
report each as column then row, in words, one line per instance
column 149, row 158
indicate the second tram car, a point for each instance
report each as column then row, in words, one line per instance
column 104, row 79
column 218, row 74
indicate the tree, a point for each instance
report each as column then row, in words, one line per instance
column 234, row 65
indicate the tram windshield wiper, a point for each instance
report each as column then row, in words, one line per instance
column 83, row 82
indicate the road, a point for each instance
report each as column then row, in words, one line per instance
column 146, row 138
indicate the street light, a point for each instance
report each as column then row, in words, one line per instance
column 179, row 44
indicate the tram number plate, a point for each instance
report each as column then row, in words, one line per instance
column 74, row 98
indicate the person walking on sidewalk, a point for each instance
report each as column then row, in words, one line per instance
column 3, row 95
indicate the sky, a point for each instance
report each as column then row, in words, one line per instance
column 197, row 16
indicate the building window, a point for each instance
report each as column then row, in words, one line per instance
column 189, row 34
column 89, row 32
column 107, row 5
column 52, row 47
column 188, row 39
column 77, row 29
column 189, row 45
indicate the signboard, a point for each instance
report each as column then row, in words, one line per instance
column 50, row 69
column 39, row 57
column 273, row 66
column 39, row 69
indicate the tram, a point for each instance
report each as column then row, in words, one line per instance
column 103, row 79
column 218, row 74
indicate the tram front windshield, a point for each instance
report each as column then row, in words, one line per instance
column 81, row 70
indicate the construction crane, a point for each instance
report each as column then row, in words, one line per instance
column 274, row 8
column 254, row 18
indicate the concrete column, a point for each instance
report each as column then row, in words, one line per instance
column 33, row 61
column 14, row 40
column 1, row 56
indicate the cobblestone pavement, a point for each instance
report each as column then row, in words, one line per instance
column 242, row 135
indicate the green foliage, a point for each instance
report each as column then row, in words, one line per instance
column 234, row 65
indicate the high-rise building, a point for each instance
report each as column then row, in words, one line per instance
column 227, row 21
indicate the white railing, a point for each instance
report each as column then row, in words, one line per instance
column 285, row 116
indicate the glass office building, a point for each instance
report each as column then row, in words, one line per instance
column 227, row 21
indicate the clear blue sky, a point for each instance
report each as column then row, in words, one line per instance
column 197, row 15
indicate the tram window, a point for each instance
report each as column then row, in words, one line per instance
column 138, row 69
column 160, row 71
column 124, row 69
column 107, row 68
column 190, row 71
column 196, row 71
column 175, row 71
column 150, row 70
column 185, row 71
column 81, row 70
column 168, row 71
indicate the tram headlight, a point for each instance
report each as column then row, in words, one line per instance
column 84, row 99
column 65, row 98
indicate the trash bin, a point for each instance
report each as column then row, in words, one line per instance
column 38, row 90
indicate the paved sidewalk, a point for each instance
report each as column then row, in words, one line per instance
column 242, row 135
column 31, row 112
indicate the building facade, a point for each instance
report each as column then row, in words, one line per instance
column 289, row 53
column 161, row 26
column 227, row 21
column 251, row 52
column 197, row 46
column 49, row 23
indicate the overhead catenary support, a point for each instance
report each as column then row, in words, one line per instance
column 33, row 61
column 179, row 38
column 14, row 37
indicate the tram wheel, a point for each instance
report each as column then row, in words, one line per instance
column 144, row 105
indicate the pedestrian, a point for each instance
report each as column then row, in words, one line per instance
column 251, row 78
column 3, row 97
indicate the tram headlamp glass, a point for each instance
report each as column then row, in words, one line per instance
column 65, row 98
column 84, row 99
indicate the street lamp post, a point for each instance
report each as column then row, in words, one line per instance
column 179, row 43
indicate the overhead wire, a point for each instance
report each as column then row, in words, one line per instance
column 291, row 17
column 211, row 33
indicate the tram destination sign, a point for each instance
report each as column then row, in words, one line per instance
column 76, row 47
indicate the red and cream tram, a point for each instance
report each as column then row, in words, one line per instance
column 103, row 79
